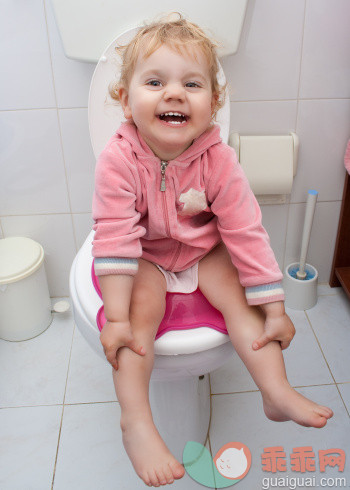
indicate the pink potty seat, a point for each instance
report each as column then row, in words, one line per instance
column 182, row 312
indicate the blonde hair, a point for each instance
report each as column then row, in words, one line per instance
column 178, row 34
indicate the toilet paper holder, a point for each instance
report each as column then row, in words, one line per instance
column 273, row 148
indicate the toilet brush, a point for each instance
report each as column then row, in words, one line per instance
column 300, row 279
column 309, row 216
column 300, row 272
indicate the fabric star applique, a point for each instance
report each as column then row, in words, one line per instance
column 193, row 202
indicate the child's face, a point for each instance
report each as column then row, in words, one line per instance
column 168, row 82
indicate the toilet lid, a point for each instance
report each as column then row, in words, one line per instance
column 174, row 342
column 105, row 115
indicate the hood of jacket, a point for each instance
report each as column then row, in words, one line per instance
column 131, row 134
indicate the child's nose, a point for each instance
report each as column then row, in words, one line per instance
column 174, row 91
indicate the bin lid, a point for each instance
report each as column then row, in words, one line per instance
column 19, row 258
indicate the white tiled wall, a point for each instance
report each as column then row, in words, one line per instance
column 291, row 73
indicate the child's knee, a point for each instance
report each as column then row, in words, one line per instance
column 146, row 305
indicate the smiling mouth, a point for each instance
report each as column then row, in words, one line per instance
column 173, row 117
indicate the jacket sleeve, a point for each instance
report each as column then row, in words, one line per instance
column 239, row 224
column 116, row 244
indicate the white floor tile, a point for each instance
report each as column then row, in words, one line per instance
column 345, row 393
column 304, row 362
column 28, row 444
column 325, row 289
column 90, row 377
column 240, row 418
column 330, row 319
column 91, row 453
column 231, row 377
column 34, row 372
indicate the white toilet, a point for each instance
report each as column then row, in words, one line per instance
column 179, row 394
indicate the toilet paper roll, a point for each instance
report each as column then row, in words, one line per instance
column 268, row 163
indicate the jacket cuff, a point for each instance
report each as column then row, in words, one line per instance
column 266, row 293
column 115, row 265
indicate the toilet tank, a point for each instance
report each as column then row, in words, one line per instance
column 88, row 26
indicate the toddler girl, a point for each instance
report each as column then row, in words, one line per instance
column 173, row 211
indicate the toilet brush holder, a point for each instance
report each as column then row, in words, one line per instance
column 301, row 294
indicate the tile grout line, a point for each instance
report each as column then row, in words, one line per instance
column 300, row 67
column 258, row 391
column 210, row 420
column 58, row 404
column 324, row 356
column 65, row 166
column 232, row 101
column 63, row 405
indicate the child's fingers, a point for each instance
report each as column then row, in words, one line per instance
column 111, row 358
column 261, row 342
column 138, row 349
column 285, row 344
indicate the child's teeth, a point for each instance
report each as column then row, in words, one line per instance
column 172, row 114
column 177, row 114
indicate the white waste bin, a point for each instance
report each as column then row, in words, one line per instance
column 25, row 306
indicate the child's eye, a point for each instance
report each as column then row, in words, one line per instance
column 192, row 84
column 154, row 83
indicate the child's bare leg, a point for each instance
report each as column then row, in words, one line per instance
column 148, row 453
column 218, row 280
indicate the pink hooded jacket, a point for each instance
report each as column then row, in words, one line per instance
column 173, row 213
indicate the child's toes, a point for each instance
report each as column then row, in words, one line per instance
column 168, row 474
column 328, row 411
column 145, row 477
column 177, row 469
column 153, row 478
column 325, row 412
column 161, row 477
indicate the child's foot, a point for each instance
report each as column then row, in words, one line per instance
column 152, row 460
column 288, row 404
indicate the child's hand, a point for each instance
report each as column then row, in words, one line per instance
column 278, row 328
column 115, row 335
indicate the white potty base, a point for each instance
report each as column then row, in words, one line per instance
column 181, row 411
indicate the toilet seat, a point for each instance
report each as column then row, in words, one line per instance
column 175, row 342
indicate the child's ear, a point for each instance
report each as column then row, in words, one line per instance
column 124, row 101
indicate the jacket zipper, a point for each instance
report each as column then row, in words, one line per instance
column 163, row 166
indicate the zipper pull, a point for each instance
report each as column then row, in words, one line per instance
column 163, row 166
